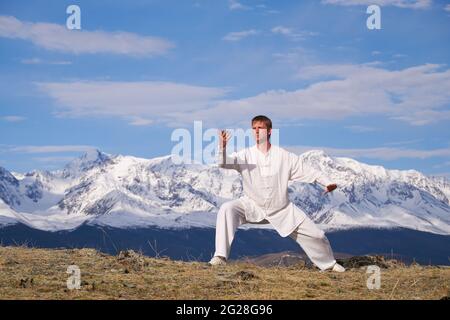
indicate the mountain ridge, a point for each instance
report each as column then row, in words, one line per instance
column 126, row 191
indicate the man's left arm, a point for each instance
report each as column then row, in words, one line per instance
column 301, row 174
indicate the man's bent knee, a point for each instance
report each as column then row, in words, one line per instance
column 315, row 233
column 230, row 211
column 229, row 206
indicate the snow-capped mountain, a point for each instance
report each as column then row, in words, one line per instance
column 125, row 191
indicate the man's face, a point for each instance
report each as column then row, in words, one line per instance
column 260, row 132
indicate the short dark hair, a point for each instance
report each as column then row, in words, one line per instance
column 264, row 119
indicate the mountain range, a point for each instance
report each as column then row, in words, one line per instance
column 127, row 192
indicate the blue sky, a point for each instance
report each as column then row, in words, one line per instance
column 139, row 69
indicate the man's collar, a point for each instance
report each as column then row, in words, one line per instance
column 256, row 149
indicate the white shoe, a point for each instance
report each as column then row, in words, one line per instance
column 338, row 268
column 218, row 261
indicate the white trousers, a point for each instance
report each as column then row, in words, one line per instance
column 310, row 238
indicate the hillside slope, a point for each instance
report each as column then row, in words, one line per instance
column 28, row 273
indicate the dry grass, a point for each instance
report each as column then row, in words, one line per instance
column 30, row 273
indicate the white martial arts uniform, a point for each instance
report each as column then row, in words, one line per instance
column 265, row 180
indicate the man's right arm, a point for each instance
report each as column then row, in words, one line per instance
column 227, row 162
column 223, row 160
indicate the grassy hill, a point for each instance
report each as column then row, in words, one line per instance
column 30, row 273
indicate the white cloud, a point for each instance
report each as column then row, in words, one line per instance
column 59, row 150
column 442, row 165
column 296, row 57
column 357, row 128
column 236, row 5
column 58, row 38
column 58, row 159
column 382, row 153
column 402, row 143
column 31, row 61
column 48, row 149
column 282, row 30
column 138, row 102
column 412, row 4
column 291, row 33
column 40, row 61
column 137, row 121
column 239, row 35
column 418, row 95
column 424, row 117
column 13, row 118
column 447, row 8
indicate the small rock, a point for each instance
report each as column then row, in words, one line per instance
column 132, row 260
column 26, row 283
column 9, row 262
column 363, row 261
column 311, row 285
column 246, row 275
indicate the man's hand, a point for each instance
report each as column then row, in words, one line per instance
column 224, row 136
column 330, row 188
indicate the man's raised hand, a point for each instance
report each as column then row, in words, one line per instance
column 224, row 136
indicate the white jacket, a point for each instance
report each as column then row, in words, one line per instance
column 265, row 180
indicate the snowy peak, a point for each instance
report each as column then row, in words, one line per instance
column 94, row 156
column 90, row 159
column 7, row 178
column 315, row 154
column 9, row 193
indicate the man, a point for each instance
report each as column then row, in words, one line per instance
column 266, row 170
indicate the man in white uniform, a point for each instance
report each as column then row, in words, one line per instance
column 266, row 170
